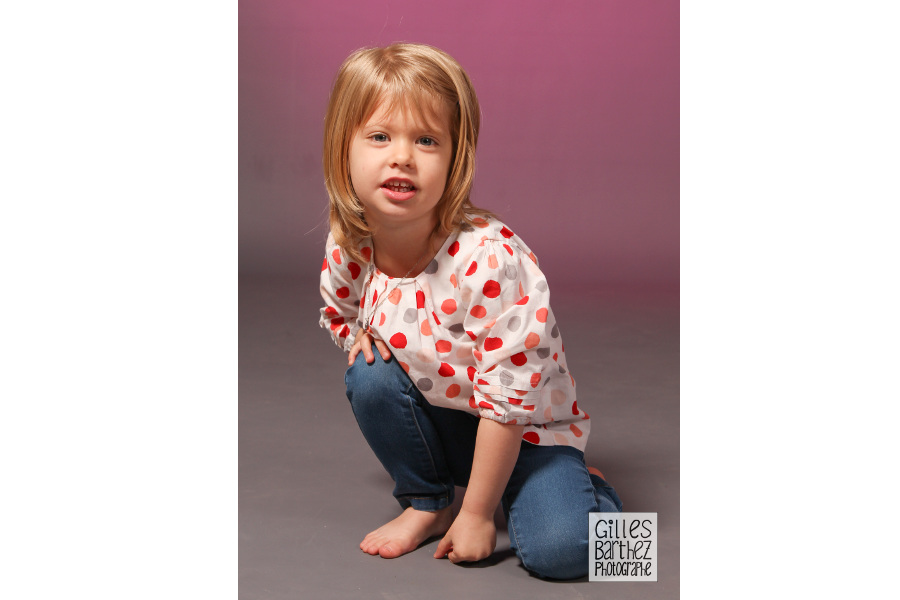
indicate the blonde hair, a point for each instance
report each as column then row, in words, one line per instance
column 414, row 76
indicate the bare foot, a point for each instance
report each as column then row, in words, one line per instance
column 596, row 472
column 406, row 532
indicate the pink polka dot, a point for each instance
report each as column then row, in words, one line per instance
column 381, row 321
column 448, row 306
column 336, row 255
column 425, row 328
column 453, row 249
column 404, row 365
column 342, row 292
column 531, row 437
column 535, row 379
column 479, row 222
column 443, row 346
column 518, row 359
column 492, row 261
column 477, row 355
column 355, row 269
column 478, row 311
column 398, row 340
column 446, row 370
column 453, row 281
column 453, row 391
column 575, row 430
column 492, row 343
column 394, row 296
column 532, row 340
column 541, row 315
column 491, row 288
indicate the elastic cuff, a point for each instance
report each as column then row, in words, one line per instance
column 427, row 503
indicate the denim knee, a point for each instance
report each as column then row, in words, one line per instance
column 558, row 557
column 375, row 383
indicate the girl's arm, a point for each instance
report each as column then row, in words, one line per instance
column 473, row 535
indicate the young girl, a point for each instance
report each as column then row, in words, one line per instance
column 457, row 370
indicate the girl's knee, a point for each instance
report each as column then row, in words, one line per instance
column 558, row 558
column 375, row 382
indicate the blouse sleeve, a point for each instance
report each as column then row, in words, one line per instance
column 341, row 285
column 507, row 318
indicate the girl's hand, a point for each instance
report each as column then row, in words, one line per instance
column 471, row 537
column 364, row 342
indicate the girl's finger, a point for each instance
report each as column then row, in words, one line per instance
column 383, row 349
column 354, row 350
column 366, row 343
column 443, row 547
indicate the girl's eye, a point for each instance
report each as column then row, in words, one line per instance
column 427, row 141
column 379, row 137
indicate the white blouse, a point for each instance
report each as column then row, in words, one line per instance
column 474, row 330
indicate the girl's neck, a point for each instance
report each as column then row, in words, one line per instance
column 398, row 254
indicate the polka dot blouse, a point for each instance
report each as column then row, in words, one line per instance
column 474, row 330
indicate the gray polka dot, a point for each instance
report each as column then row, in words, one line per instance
column 514, row 324
column 506, row 378
column 424, row 384
column 554, row 332
column 541, row 285
column 457, row 330
column 432, row 268
column 548, row 381
column 359, row 323
column 410, row 315
column 466, row 227
column 356, row 302
column 562, row 369
column 511, row 272
column 543, row 352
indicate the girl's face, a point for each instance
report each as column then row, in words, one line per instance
column 399, row 166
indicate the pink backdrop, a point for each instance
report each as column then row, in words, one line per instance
column 579, row 148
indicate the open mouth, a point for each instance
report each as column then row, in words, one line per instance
column 398, row 186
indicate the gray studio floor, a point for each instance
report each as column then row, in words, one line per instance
column 310, row 488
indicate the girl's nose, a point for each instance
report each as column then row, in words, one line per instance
column 402, row 156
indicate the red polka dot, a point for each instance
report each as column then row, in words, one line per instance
column 492, row 343
column 541, row 315
column 532, row 257
column 556, row 356
column 479, row 222
column 436, row 320
column 575, row 430
column 532, row 340
column 505, row 232
column 375, row 297
column 486, row 405
column 355, row 269
column 404, row 365
column 345, row 331
column 492, row 288
column 472, row 402
column 575, row 408
column 420, row 299
column 535, row 379
column 336, row 255
column 478, row 311
column 532, row 437
column 448, row 306
column 453, row 391
column 471, row 335
column 453, row 249
column 453, row 281
column 336, row 322
column 367, row 254
column 491, row 369
column 471, row 373
column 443, row 346
column 472, row 268
column 342, row 292
column 523, row 301
column 324, row 263
column 381, row 322
column 528, row 407
column 398, row 340
column 446, row 370
column 521, row 291
column 508, row 249
column 516, row 401
column 519, row 359
column 330, row 311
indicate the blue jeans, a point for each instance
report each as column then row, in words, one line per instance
column 427, row 450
